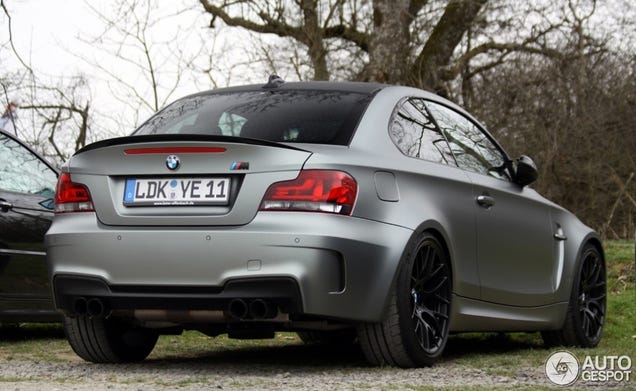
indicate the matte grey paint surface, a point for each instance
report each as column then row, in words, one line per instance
column 509, row 271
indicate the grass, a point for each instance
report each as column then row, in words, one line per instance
column 497, row 354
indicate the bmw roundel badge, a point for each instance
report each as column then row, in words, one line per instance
column 172, row 162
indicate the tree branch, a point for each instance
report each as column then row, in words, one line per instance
column 505, row 48
column 271, row 25
column 15, row 51
column 360, row 39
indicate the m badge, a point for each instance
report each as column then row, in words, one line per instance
column 240, row 166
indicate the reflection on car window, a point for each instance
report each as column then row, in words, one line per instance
column 231, row 124
column 21, row 171
column 415, row 133
column 472, row 148
column 303, row 116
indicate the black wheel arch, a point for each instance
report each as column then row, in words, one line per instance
column 436, row 230
column 593, row 239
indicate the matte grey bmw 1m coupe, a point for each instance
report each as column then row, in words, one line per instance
column 342, row 211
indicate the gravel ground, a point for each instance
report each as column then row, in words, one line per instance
column 285, row 367
column 234, row 376
column 240, row 372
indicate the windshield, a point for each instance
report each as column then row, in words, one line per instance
column 301, row 116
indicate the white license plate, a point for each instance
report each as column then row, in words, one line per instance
column 176, row 191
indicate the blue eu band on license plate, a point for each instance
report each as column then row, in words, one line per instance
column 176, row 191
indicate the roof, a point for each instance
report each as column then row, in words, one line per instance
column 349, row 86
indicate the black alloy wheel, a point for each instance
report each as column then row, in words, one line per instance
column 587, row 308
column 415, row 328
column 591, row 295
column 430, row 298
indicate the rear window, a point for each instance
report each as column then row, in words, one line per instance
column 295, row 116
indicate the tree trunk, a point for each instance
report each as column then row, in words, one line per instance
column 439, row 48
column 389, row 43
column 314, row 40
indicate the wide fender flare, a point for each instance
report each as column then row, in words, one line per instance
column 436, row 229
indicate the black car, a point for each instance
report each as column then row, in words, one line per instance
column 27, row 188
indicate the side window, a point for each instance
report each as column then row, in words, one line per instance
column 23, row 172
column 415, row 134
column 472, row 148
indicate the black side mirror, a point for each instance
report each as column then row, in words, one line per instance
column 526, row 171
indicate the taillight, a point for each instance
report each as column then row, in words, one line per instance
column 313, row 191
column 71, row 196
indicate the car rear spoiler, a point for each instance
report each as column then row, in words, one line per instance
column 182, row 137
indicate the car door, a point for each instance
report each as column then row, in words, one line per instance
column 27, row 186
column 516, row 249
column 433, row 179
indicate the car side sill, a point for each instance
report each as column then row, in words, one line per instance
column 468, row 315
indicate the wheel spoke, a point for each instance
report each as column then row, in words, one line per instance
column 594, row 318
column 442, row 299
column 424, row 262
column 596, row 300
column 592, row 271
column 436, row 287
column 435, row 315
column 586, row 324
column 593, row 323
column 422, row 328
column 599, row 285
column 419, row 275
column 437, row 270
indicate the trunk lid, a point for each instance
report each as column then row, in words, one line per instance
column 219, row 180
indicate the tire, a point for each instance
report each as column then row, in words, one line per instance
column 415, row 327
column 332, row 337
column 586, row 313
column 102, row 340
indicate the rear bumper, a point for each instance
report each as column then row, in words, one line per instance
column 283, row 292
column 306, row 263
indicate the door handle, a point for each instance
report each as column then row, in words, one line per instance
column 560, row 236
column 5, row 206
column 486, row 201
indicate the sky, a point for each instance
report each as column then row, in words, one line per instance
column 44, row 32
column 62, row 39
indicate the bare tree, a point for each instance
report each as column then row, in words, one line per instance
column 54, row 113
column 59, row 109
column 573, row 112
column 143, row 53
column 415, row 42
column 54, row 116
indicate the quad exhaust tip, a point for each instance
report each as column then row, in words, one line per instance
column 240, row 309
column 237, row 309
column 92, row 307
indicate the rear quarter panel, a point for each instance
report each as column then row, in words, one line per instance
column 429, row 195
